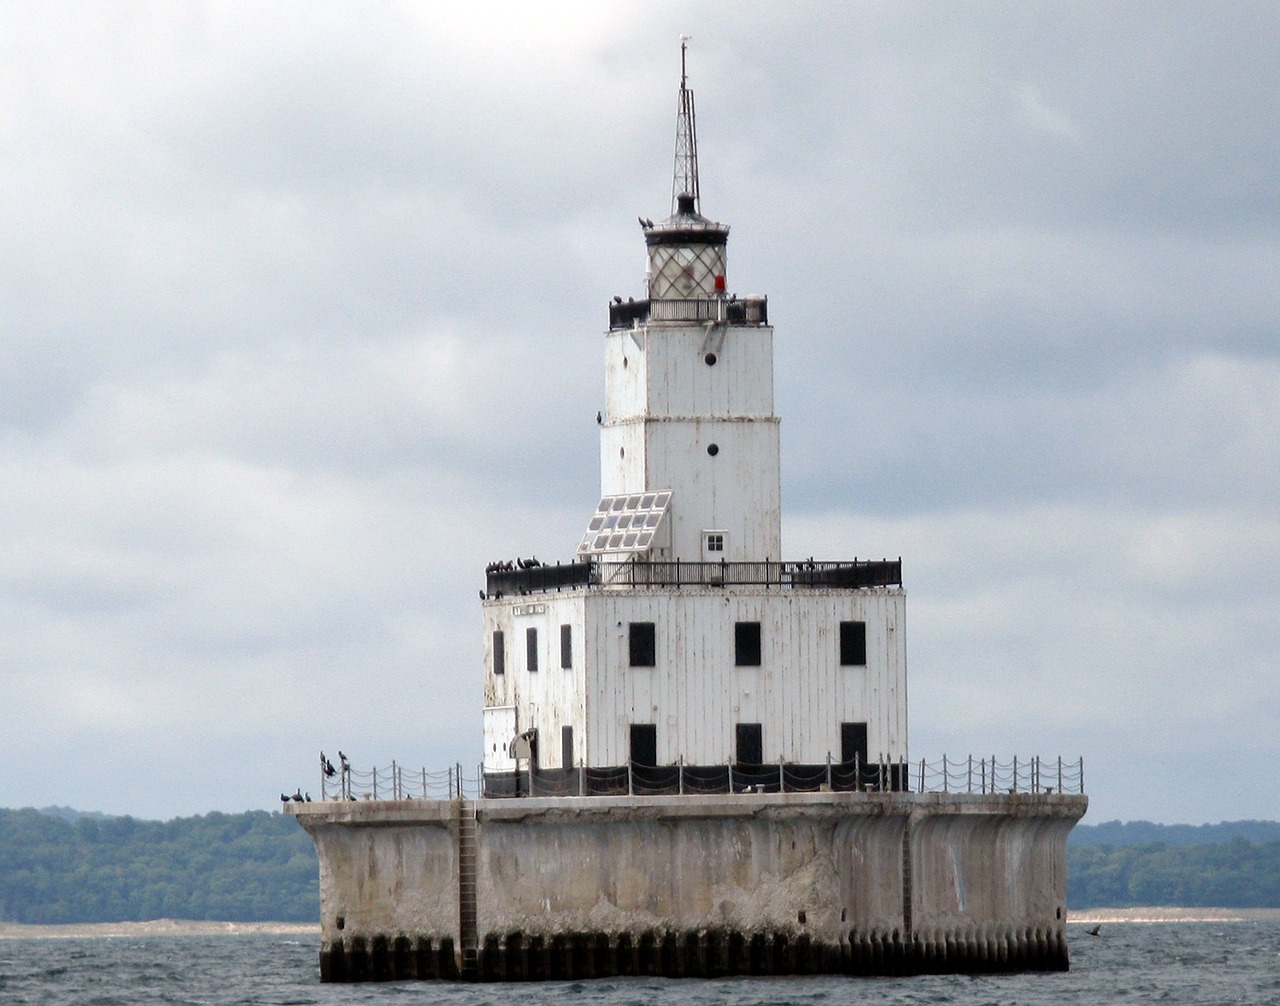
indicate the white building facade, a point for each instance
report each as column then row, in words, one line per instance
column 678, row 636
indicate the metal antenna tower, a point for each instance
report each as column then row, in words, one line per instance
column 685, row 182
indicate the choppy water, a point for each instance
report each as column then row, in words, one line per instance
column 1210, row 963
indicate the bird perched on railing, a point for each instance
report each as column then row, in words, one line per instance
column 326, row 766
column 342, row 760
column 297, row 796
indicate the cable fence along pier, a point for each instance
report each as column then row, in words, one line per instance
column 985, row 776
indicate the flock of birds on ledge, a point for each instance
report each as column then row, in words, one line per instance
column 506, row 566
column 326, row 766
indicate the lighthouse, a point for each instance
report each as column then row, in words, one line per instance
column 695, row 748
column 676, row 635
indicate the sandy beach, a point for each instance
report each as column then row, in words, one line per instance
column 1094, row 916
column 157, row 927
column 185, row 927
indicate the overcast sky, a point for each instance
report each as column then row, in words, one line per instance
column 301, row 316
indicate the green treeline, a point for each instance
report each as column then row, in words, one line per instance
column 250, row 867
column 1235, row 874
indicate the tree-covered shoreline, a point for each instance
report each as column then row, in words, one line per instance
column 61, row 866
column 246, row 867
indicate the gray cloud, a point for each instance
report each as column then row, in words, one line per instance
column 301, row 327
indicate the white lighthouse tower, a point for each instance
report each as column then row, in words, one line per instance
column 677, row 636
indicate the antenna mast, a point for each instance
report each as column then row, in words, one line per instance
column 685, row 182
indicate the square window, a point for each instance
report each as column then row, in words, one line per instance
column 643, row 644
column 531, row 648
column 853, row 743
column 749, row 743
column 644, row 744
column 566, row 747
column 853, row 644
column 714, row 541
column 746, row 644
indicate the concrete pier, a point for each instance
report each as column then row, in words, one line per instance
column 858, row 883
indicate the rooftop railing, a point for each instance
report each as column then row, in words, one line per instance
column 724, row 310
column 988, row 776
column 850, row 574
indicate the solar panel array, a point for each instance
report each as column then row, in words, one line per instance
column 625, row 523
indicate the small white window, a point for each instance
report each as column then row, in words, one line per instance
column 713, row 544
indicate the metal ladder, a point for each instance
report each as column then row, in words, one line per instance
column 467, row 935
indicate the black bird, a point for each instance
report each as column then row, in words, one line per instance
column 617, row 299
column 283, row 798
column 599, row 418
column 308, row 798
column 483, row 596
column 642, row 223
column 342, row 759
column 297, row 796
column 1094, row 931
column 326, row 766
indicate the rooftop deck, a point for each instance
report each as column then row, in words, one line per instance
column 854, row 574
column 721, row 310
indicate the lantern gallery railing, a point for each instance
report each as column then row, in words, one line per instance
column 723, row 310
column 948, row 775
column 524, row 578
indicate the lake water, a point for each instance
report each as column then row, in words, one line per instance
column 1214, row 962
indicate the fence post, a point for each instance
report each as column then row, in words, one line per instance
column 782, row 782
column 582, row 777
column 828, row 771
column 375, row 782
column 922, row 789
column 1014, row 789
column 630, row 786
column 1059, row 773
column 395, row 781
column 1082, row 773
column 680, row 776
column 729, row 767
column 969, row 781
column 880, row 771
column 945, row 778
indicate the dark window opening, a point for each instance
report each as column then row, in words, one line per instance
column 746, row 644
column 713, row 449
column 499, row 653
column 710, row 359
column 644, row 745
column 531, row 648
column 853, row 644
column 566, row 747
column 643, row 644
column 749, row 743
column 853, row 743
column 566, row 648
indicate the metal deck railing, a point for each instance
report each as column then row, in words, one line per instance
column 805, row 574
column 947, row 775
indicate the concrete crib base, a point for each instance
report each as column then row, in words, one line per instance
column 684, row 886
column 691, row 954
